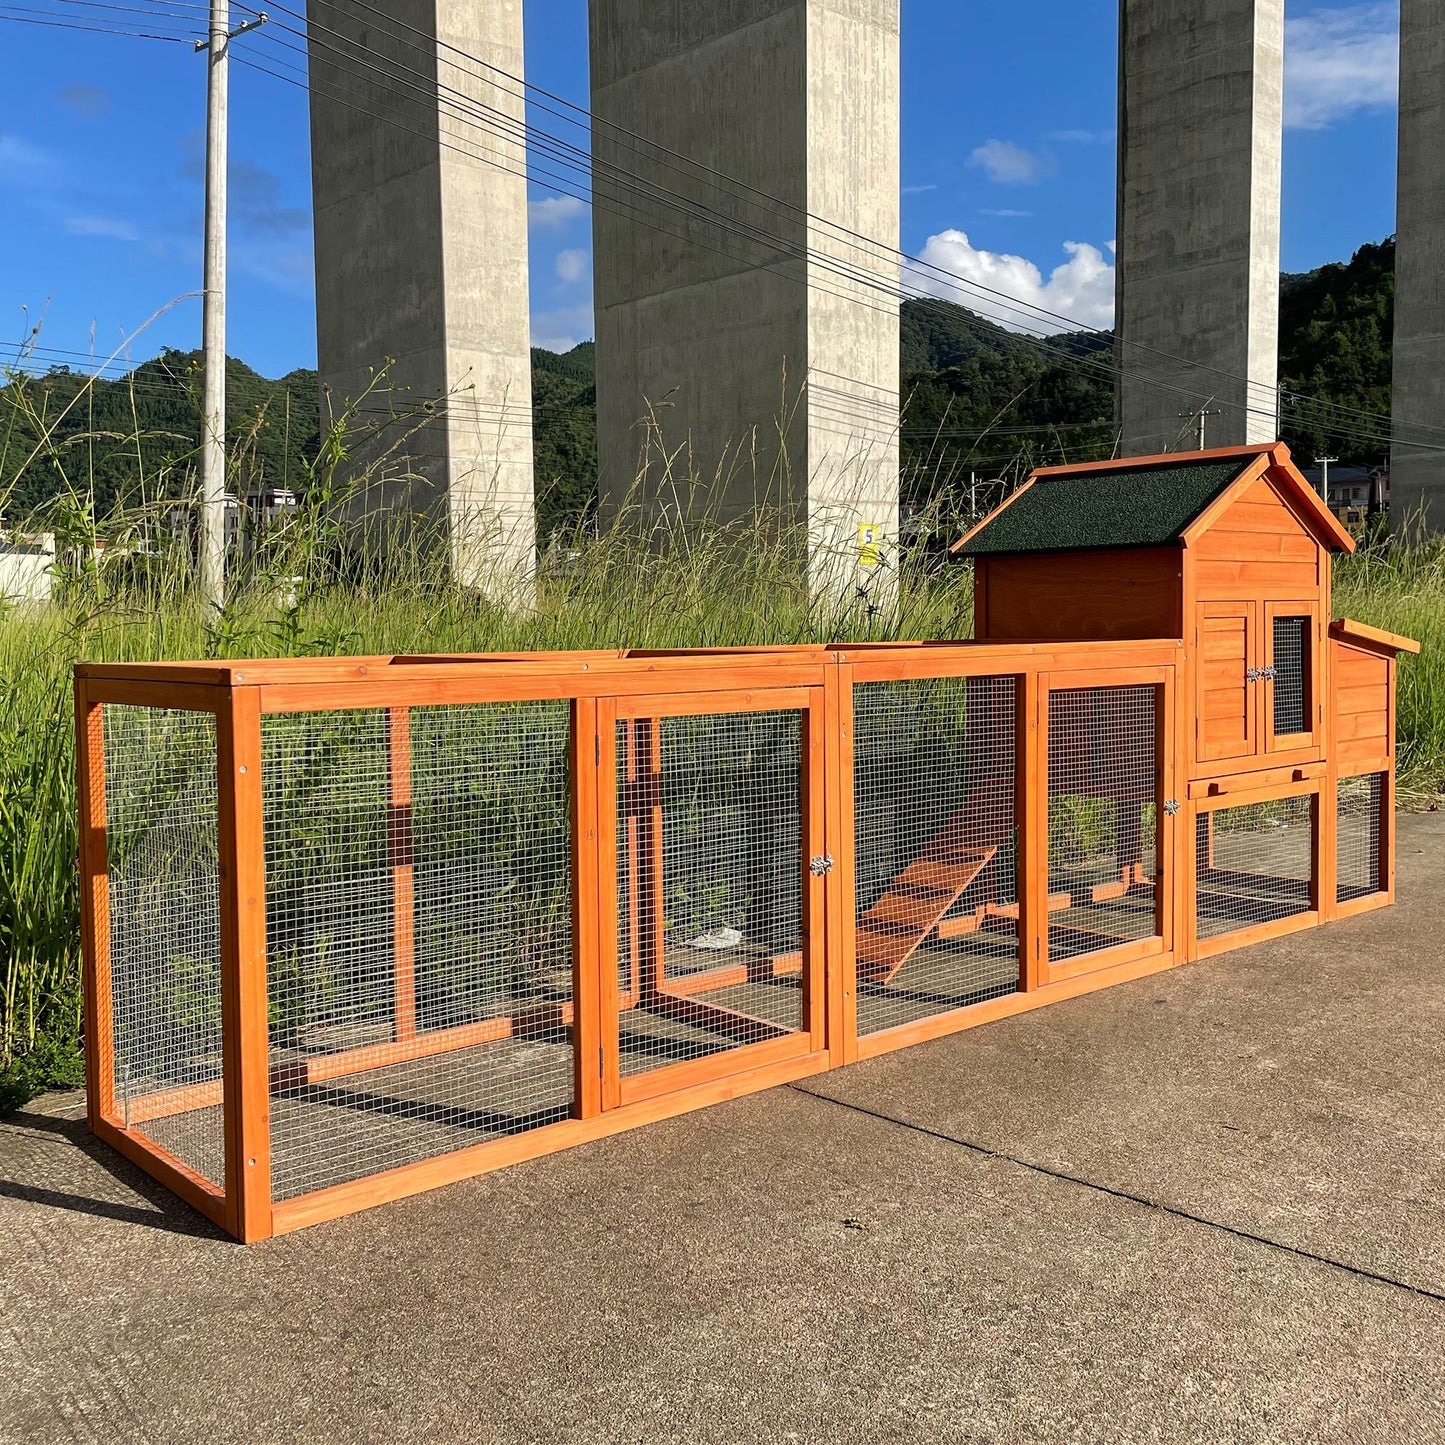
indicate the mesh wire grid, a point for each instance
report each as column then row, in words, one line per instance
column 710, row 885
column 1103, row 816
column 1291, row 705
column 418, row 931
column 936, row 846
column 1253, row 863
column 165, row 930
column 1360, row 822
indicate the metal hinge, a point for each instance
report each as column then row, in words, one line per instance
column 1253, row 674
column 1171, row 807
column 1269, row 673
column 822, row 866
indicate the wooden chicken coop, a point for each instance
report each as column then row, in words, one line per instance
column 357, row 927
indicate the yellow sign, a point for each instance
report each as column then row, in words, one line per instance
column 868, row 549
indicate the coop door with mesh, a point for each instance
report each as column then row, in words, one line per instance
column 1292, row 715
column 935, row 790
column 1107, row 810
column 718, row 878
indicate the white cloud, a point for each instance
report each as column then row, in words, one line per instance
column 21, row 161
column 1006, row 163
column 917, row 190
column 571, row 266
column 561, row 330
column 106, row 226
column 1337, row 62
column 1006, row 214
column 554, row 212
column 1081, row 137
column 1081, row 290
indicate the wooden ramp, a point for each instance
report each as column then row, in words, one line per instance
column 892, row 930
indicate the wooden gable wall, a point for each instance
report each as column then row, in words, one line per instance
column 1259, row 544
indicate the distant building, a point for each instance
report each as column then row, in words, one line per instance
column 1365, row 489
column 27, row 566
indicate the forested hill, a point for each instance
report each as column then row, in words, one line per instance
column 977, row 399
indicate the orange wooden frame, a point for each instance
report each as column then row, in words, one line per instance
column 606, row 690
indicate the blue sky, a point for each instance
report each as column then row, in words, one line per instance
column 1008, row 168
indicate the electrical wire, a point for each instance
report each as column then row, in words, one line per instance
column 505, row 127
column 590, row 122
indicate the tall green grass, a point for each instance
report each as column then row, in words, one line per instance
column 1403, row 589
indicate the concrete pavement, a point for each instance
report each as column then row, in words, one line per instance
column 1201, row 1207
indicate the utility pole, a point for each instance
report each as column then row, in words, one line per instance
column 1324, row 464
column 1202, row 414
column 213, row 315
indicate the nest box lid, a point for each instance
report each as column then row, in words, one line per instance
column 1139, row 502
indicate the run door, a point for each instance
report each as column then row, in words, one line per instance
column 712, row 880
column 1109, row 819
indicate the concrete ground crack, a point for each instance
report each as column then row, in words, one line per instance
column 1123, row 1194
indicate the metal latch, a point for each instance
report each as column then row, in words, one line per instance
column 1171, row 807
column 822, row 866
column 1253, row 674
column 1269, row 673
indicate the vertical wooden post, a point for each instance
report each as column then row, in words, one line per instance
column 608, row 922
column 400, row 850
column 629, row 805
column 840, row 831
column 1166, row 829
column 649, row 961
column 94, row 907
column 813, row 840
column 1387, row 790
column 1327, row 841
column 587, row 1063
column 1032, row 762
column 1187, row 925
column 245, row 1041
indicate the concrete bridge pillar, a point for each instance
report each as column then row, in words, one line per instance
column 736, row 368
column 421, row 258
column 1417, row 469
column 1201, row 103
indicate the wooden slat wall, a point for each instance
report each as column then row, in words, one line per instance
column 1258, row 548
column 1362, row 708
column 1110, row 595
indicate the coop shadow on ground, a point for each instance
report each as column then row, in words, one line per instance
column 161, row 1209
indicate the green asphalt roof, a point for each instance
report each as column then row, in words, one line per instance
column 1088, row 511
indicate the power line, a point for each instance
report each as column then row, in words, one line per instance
column 504, row 127
column 591, row 122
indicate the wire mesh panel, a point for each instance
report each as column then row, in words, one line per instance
column 936, row 846
column 165, row 933
column 1253, row 864
column 710, row 885
column 419, row 933
column 1291, row 643
column 1360, row 825
column 1103, row 818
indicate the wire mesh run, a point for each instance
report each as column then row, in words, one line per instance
column 936, row 846
column 1103, row 819
column 710, row 874
column 419, row 933
column 165, row 930
column 1253, row 864
column 1360, row 824
column 1291, row 705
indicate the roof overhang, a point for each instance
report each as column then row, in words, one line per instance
column 1371, row 639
